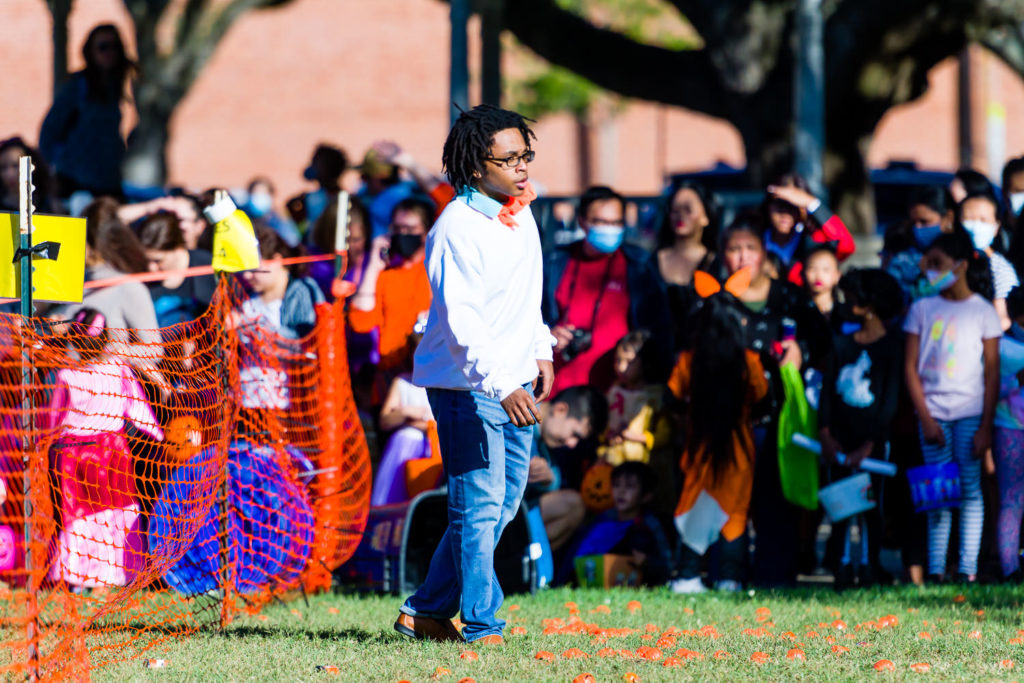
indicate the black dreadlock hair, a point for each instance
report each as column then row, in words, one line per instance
column 469, row 141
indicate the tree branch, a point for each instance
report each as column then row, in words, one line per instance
column 1008, row 44
column 145, row 16
column 190, row 17
column 615, row 62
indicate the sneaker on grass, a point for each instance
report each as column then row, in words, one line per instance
column 687, row 586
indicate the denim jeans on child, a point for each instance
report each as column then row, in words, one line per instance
column 486, row 460
column 959, row 446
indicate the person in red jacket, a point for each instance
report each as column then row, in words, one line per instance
column 796, row 221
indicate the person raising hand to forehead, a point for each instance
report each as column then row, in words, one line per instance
column 485, row 360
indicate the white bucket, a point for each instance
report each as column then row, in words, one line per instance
column 847, row 497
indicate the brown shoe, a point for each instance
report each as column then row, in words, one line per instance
column 425, row 628
column 489, row 640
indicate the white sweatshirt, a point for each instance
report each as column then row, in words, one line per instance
column 484, row 331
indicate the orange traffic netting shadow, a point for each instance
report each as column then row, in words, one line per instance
column 170, row 482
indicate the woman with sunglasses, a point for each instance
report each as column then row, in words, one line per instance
column 81, row 134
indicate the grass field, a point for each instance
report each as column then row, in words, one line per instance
column 962, row 634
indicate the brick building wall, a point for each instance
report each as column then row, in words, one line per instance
column 351, row 71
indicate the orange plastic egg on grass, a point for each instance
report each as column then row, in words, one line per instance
column 467, row 679
column 796, row 653
column 630, row 677
column 441, row 672
column 885, row 665
column 760, row 658
column 544, row 656
column 575, row 653
column 672, row 661
column 469, row 655
column 721, row 654
column 634, row 605
column 921, row 667
column 517, row 631
column 651, row 653
column 607, row 652
column 1006, row 664
column 585, row 678
column 839, row 649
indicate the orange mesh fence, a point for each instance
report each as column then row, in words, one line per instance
column 153, row 485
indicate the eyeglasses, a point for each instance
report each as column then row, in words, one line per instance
column 514, row 160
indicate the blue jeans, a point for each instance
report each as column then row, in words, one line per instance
column 486, row 460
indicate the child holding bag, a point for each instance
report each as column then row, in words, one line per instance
column 859, row 398
column 952, row 372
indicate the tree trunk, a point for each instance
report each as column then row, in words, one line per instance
column 59, row 12
column 145, row 164
column 768, row 149
column 849, row 182
column 585, row 151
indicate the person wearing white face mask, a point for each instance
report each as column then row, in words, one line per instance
column 979, row 214
column 598, row 289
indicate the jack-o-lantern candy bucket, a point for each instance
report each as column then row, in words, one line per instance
column 597, row 487
column 183, row 438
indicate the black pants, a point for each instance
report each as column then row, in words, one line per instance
column 728, row 560
column 776, row 520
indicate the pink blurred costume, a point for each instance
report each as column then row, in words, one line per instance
column 99, row 543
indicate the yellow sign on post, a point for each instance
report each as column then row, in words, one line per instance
column 59, row 266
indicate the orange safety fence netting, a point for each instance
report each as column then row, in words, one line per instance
column 172, row 479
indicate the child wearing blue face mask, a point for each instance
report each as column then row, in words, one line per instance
column 952, row 373
column 929, row 214
column 979, row 214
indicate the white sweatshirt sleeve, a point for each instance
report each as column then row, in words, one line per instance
column 544, row 342
column 457, row 278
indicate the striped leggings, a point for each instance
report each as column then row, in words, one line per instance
column 959, row 446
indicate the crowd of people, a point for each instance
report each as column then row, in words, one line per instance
column 673, row 368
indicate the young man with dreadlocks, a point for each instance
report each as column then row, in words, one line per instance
column 485, row 360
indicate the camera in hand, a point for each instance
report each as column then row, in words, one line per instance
column 580, row 342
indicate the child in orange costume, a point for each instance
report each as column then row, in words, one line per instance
column 720, row 380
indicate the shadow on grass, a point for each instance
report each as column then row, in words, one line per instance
column 358, row 635
column 1002, row 599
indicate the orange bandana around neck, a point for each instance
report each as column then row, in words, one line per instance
column 516, row 204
